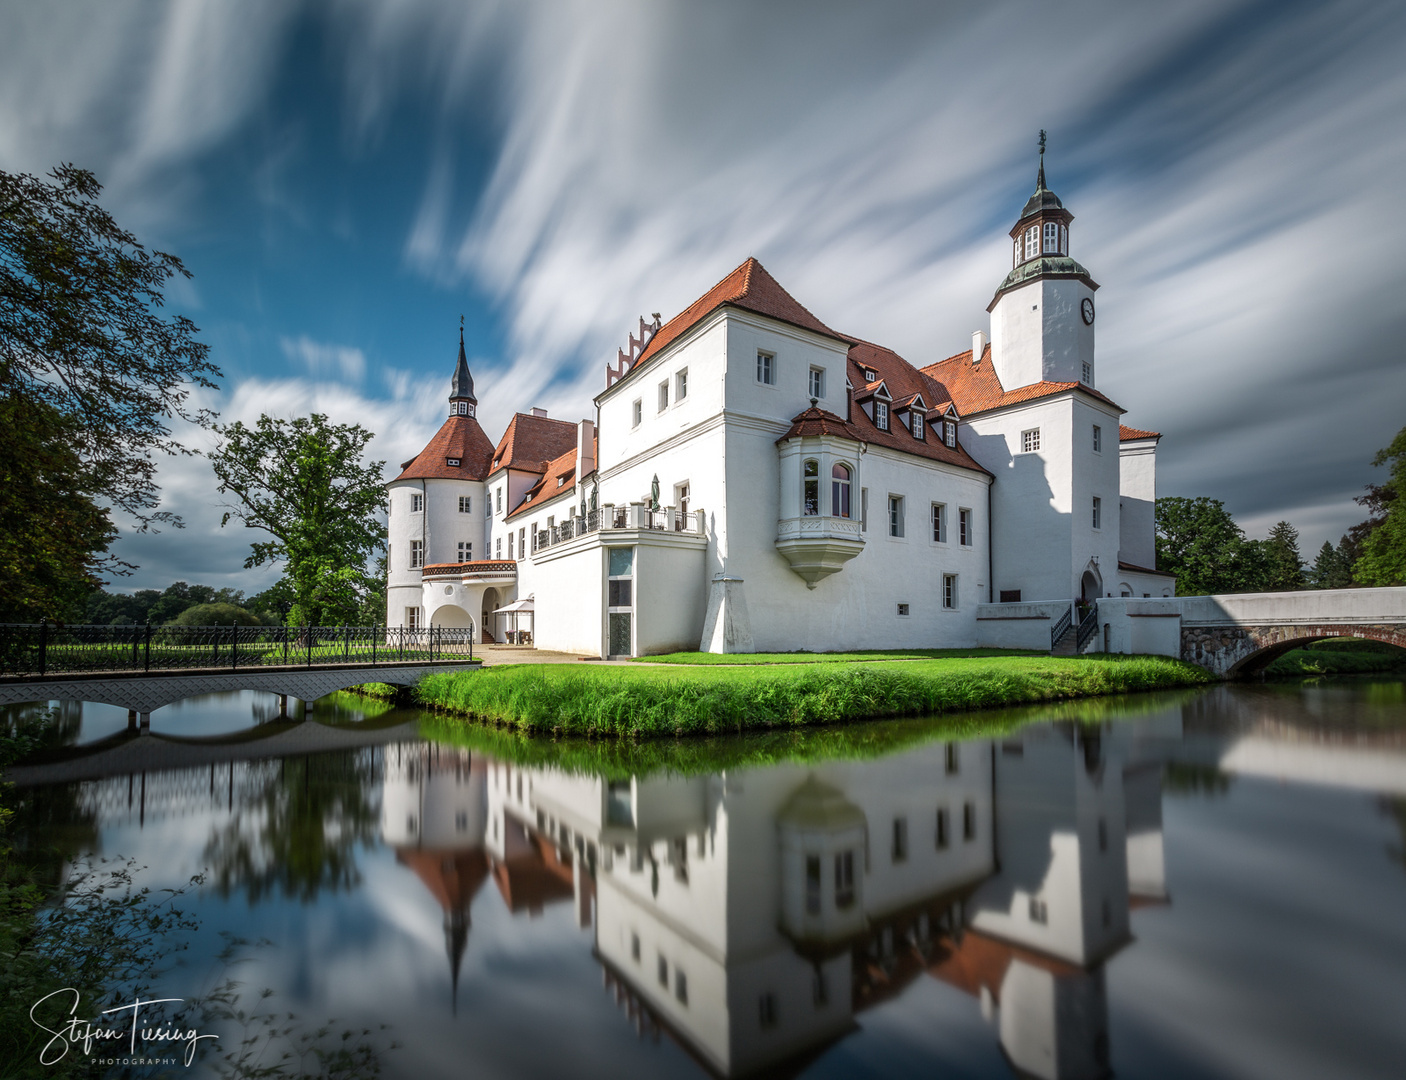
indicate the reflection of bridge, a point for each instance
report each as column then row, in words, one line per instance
column 141, row 692
column 128, row 754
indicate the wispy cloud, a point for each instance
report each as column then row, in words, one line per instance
column 322, row 360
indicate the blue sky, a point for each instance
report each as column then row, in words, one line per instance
column 345, row 179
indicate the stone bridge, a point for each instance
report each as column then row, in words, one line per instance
column 1238, row 635
column 141, row 692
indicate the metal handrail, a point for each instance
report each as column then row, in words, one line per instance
column 1057, row 631
column 57, row 648
column 1087, row 626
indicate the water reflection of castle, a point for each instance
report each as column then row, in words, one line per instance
column 752, row 916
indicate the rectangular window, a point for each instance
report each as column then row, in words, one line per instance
column 964, row 527
column 664, row 395
column 949, row 591
column 680, row 987
column 903, row 611
column 942, row 828
column 412, row 618
column 950, row 434
column 453, row 462
column 466, row 504
column 1039, row 913
column 766, row 369
column 881, row 415
column 1086, row 374
column 844, row 880
column 636, row 412
column 417, row 554
column 813, row 884
column 1010, row 596
column 917, row 425
column 900, row 839
column 1051, row 238
column 895, row 515
column 466, row 551
column 681, row 385
column 498, row 548
column 417, row 503
column 863, row 509
column 510, row 545
column 619, row 620
column 663, row 971
column 939, row 522
column 635, row 948
column 817, row 382
column 621, row 591
column 1030, row 441
column 500, row 499
column 1098, row 439
column 969, row 821
column 1098, row 512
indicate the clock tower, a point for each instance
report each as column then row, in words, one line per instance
column 1042, row 316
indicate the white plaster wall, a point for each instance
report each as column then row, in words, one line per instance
column 1017, row 328
column 568, row 587
column 1138, row 497
column 671, row 586
column 1038, row 332
column 1093, row 474
column 1018, row 626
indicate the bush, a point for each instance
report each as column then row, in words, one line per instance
column 215, row 615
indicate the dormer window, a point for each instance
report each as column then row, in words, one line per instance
column 452, row 462
column 1051, row 238
column 917, row 425
column 870, row 376
column 949, row 434
column 461, row 408
column 881, row 415
column 561, row 480
column 1032, row 241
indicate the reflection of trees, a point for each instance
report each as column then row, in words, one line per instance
column 298, row 835
column 49, row 825
column 1396, row 808
column 1183, row 778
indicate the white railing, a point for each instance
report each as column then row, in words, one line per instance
column 636, row 515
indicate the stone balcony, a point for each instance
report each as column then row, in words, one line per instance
column 481, row 572
column 817, row 546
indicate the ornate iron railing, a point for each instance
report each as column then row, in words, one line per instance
column 1087, row 625
column 1057, row 631
column 57, row 648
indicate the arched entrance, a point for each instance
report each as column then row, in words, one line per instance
column 490, row 602
column 452, row 615
column 1090, row 586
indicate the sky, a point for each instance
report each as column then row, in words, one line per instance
column 345, row 179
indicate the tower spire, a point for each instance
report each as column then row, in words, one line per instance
column 1040, row 178
column 462, row 389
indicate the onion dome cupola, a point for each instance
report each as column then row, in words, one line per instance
column 1042, row 315
column 461, row 392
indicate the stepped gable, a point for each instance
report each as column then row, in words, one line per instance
column 1128, row 434
column 903, row 382
column 557, row 478
column 749, row 287
column 532, row 442
column 974, row 388
column 459, row 437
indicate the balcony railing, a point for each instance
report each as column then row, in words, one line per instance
column 629, row 516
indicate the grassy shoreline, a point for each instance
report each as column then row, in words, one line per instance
column 669, row 701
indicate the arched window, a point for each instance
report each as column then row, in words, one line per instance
column 839, row 491
column 1051, row 238
column 811, row 496
column 1032, row 241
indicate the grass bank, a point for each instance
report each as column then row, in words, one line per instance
column 867, row 656
column 653, row 701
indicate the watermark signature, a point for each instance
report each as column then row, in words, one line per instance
column 96, row 1032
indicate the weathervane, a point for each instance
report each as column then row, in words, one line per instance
column 1040, row 180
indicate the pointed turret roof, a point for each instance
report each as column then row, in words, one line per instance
column 1044, row 198
column 463, row 385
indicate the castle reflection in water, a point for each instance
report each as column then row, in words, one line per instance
column 754, row 916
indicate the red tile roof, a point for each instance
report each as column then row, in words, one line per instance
column 1127, row 434
column 976, row 389
column 532, row 442
column 559, row 474
column 452, row 875
column 815, row 421
column 903, row 382
column 460, row 437
column 749, row 287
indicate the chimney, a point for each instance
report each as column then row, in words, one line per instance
column 538, row 412
column 585, row 448
column 978, row 345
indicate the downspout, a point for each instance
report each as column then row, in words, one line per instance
column 424, row 534
column 990, row 547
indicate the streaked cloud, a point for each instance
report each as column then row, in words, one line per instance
column 323, row 360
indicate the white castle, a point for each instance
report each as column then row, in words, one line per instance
column 755, row 480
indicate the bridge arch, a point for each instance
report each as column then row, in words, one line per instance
column 1251, row 649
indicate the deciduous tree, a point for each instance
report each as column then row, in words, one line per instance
column 304, row 482
column 1383, row 557
column 1199, row 542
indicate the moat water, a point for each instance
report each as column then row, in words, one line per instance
column 1196, row 884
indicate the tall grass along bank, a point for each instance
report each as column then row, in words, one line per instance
column 644, row 702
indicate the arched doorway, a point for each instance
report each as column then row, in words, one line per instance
column 1090, row 586
column 490, row 603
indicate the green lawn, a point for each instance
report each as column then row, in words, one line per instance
column 736, row 659
column 651, row 701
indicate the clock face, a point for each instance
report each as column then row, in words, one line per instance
column 1088, row 311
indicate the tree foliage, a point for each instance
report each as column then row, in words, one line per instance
column 1383, row 549
column 82, row 336
column 1285, row 564
column 304, row 482
column 1332, row 569
column 1199, row 542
